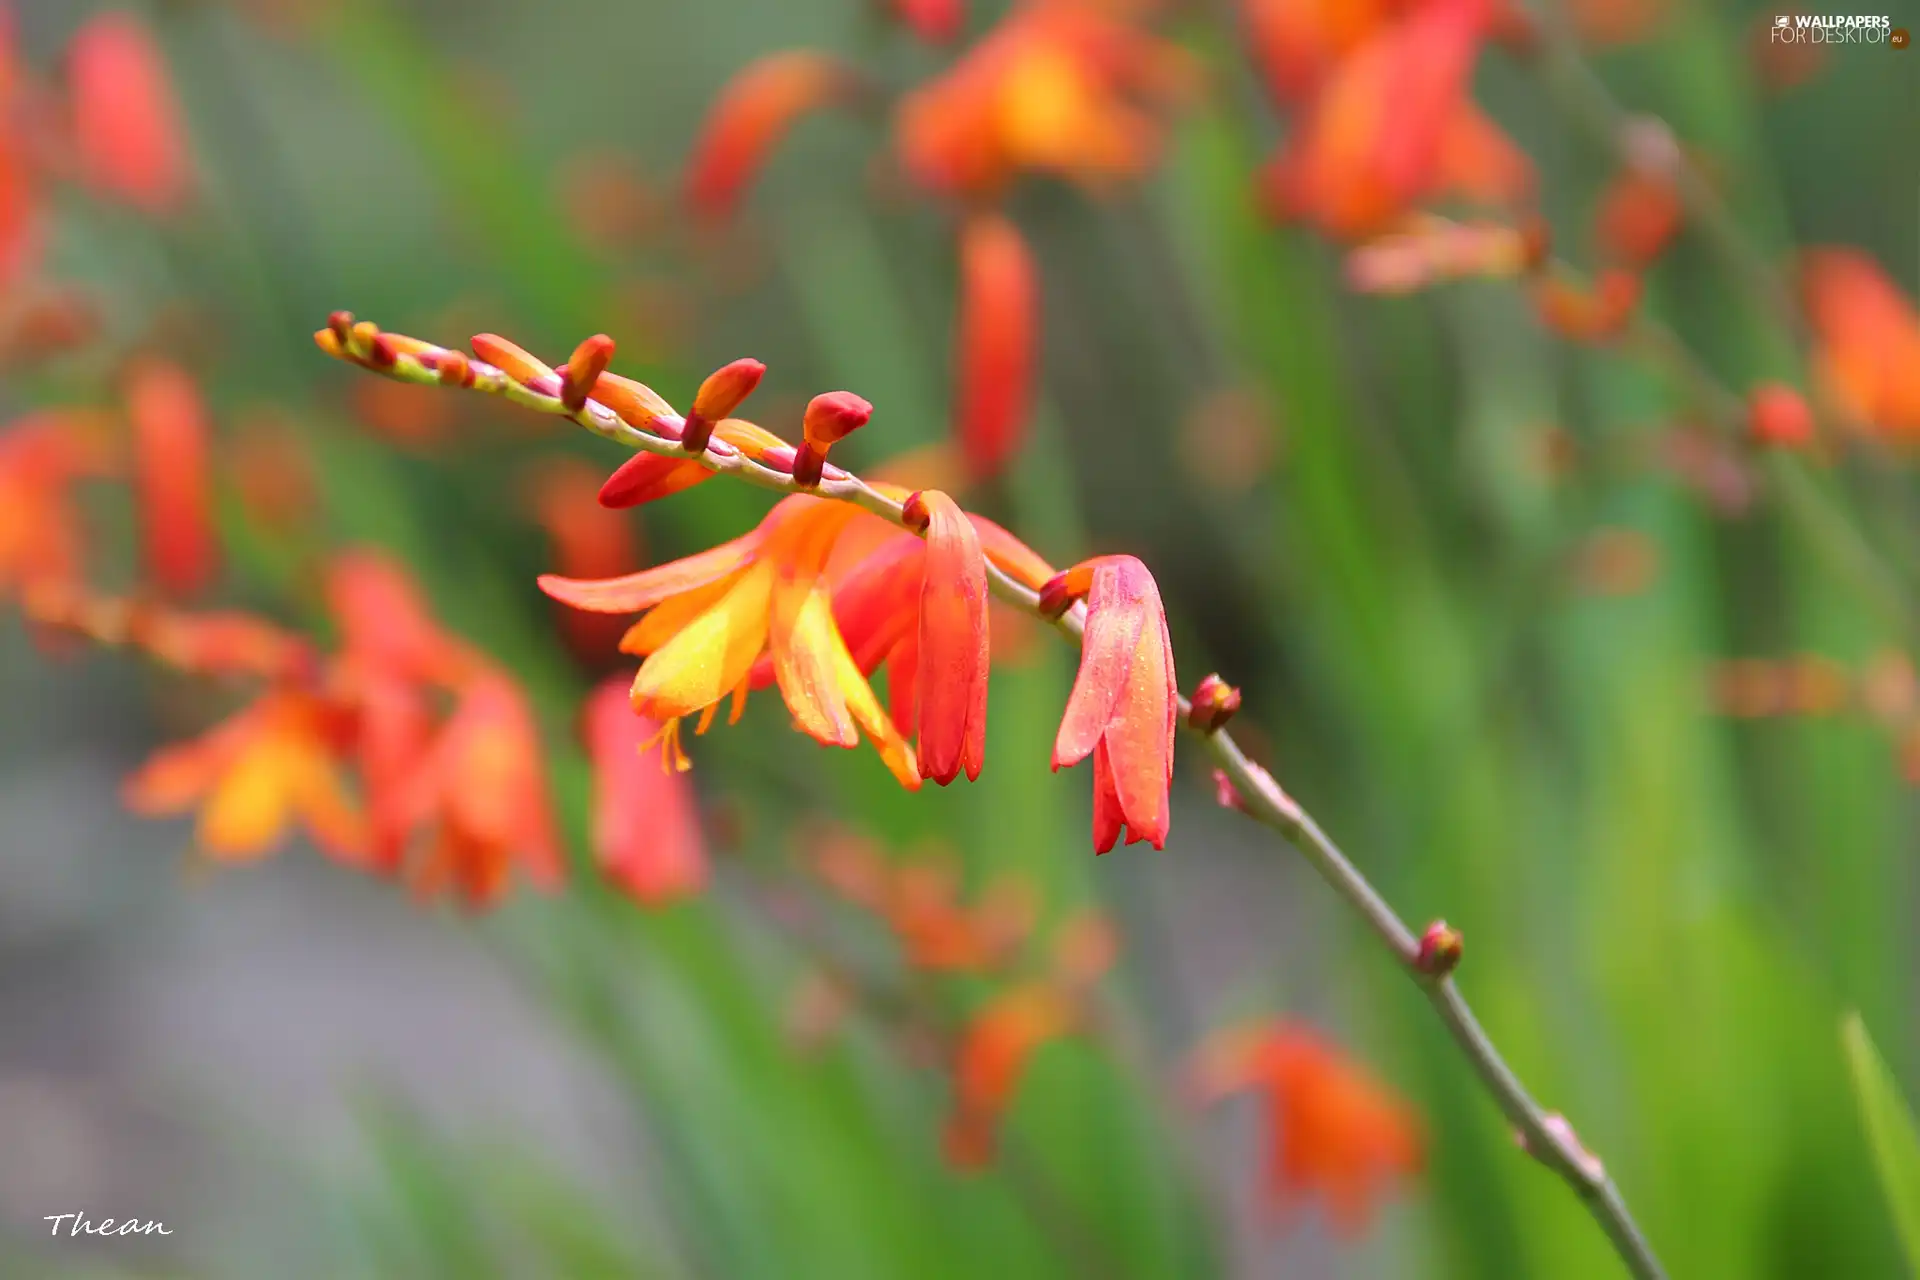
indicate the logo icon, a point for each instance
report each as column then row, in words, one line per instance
column 1782, row 20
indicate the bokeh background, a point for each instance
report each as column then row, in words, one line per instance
column 1473, row 581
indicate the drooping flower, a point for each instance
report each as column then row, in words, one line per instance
column 646, row 828
column 481, row 792
column 953, row 642
column 710, row 617
column 172, row 472
column 126, row 123
column 1867, row 339
column 993, row 1055
column 274, row 766
column 1125, row 699
column 998, row 334
column 1334, row 1131
column 752, row 114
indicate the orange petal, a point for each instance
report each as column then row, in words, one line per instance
column 649, row 477
column 126, row 122
column 646, row 828
column 1107, row 649
column 710, row 655
column 636, row 592
column 171, row 448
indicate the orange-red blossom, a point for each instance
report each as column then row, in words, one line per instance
column 1333, row 1130
column 1125, row 700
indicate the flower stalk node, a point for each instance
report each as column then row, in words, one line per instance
column 1441, row 948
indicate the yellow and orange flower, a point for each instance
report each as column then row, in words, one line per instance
column 710, row 617
column 1334, row 1131
column 1063, row 87
column 646, row 827
column 1867, row 339
column 273, row 767
column 1125, row 699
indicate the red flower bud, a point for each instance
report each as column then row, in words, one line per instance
column 830, row 417
column 1214, row 703
column 722, row 393
column 583, row 370
column 1778, row 417
column 1441, row 947
column 1059, row 593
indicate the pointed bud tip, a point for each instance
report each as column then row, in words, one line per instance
column 726, row 388
column 914, row 513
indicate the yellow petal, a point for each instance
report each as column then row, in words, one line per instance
column 710, row 655
column 247, row 812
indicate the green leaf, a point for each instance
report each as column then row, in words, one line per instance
column 1890, row 1132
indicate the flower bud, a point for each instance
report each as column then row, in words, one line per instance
column 511, row 359
column 583, row 370
column 1059, row 593
column 1214, row 703
column 1441, row 947
column 341, row 323
column 722, row 393
column 830, row 417
column 454, row 369
column 914, row 513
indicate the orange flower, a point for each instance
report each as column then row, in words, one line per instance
column 255, row 776
column 953, row 643
column 711, row 616
column 752, row 114
column 1125, row 699
column 588, row 541
column 998, row 332
column 126, row 124
column 1391, row 125
column 1296, row 42
column 41, row 456
column 171, row 445
column 1061, row 87
column 1867, row 339
column 483, row 790
column 384, row 621
column 1334, row 1130
column 646, row 829
column 992, row 1057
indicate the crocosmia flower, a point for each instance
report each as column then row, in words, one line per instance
column 953, row 642
column 998, row 334
column 1125, row 701
column 1867, row 339
column 1334, row 1132
column 754, row 112
column 254, row 778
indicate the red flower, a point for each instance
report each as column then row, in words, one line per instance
column 754, row 111
column 953, row 643
column 1125, row 700
column 41, row 457
column 171, row 464
column 993, row 1055
column 998, row 332
column 126, row 124
column 646, row 828
column 1334, row 1131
